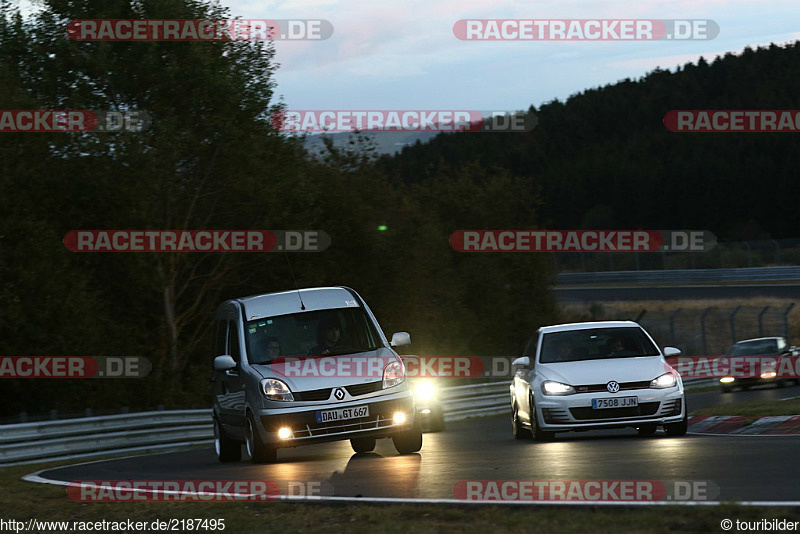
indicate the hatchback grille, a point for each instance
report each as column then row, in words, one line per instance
column 555, row 416
column 596, row 388
column 672, row 407
column 645, row 408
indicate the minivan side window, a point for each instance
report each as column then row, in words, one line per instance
column 233, row 341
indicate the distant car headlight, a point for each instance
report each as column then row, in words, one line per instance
column 727, row 379
column 276, row 390
column 667, row 380
column 557, row 388
column 393, row 374
column 425, row 391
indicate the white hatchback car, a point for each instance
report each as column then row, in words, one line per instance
column 583, row 376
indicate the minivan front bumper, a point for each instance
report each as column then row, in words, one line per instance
column 305, row 429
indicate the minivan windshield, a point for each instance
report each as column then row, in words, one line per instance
column 596, row 344
column 328, row 332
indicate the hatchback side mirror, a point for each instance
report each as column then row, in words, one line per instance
column 671, row 352
column 521, row 362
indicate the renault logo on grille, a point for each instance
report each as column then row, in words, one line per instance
column 338, row 393
column 612, row 386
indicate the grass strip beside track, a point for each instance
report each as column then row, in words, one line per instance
column 753, row 408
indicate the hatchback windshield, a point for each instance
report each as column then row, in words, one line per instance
column 596, row 344
column 317, row 333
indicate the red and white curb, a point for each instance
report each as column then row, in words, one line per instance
column 742, row 425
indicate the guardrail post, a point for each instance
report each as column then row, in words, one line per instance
column 53, row 415
column 23, row 417
column 672, row 317
column 786, row 322
column 733, row 324
column 761, row 320
column 777, row 253
column 88, row 412
column 703, row 329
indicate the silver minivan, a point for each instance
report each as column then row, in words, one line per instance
column 307, row 366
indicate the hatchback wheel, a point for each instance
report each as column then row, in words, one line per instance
column 536, row 430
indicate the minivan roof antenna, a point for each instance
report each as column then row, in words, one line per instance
column 302, row 306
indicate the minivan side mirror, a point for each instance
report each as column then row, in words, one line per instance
column 224, row 363
column 400, row 339
column 524, row 361
column 671, row 352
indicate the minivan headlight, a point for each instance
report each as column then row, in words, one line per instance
column 667, row 380
column 276, row 390
column 556, row 388
column 393, row 374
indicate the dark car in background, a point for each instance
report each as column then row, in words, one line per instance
column 777, row 357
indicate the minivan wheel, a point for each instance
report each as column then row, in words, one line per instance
column 259, row 453
column 410, row 440
column 228, row 450
column 363, row 444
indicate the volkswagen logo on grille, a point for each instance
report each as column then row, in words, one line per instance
column 339, row 393
column 612, row 386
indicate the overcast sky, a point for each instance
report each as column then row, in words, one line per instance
column 387, row 54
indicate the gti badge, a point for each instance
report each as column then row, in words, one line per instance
column 339, row 393
column 612, row 386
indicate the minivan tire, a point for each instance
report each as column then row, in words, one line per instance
column 228, row 450
column 363, row 444
column 409, row 441
column 259, row 452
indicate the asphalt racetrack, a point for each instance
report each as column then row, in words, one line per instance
column 743, row 468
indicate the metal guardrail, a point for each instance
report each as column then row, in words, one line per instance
column 170, row 430
column 685, row 276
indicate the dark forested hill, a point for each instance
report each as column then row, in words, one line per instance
column 604, row 159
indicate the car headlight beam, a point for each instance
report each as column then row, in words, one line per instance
column 551, row 387
column 667, row 380
column 276, row 390
column 393, row 374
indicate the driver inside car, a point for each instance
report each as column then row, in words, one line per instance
column 328, row 337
